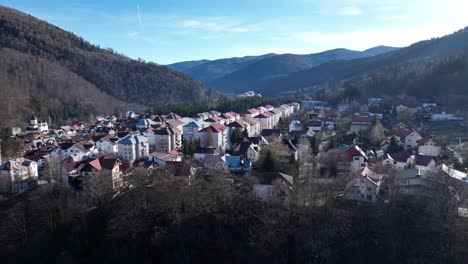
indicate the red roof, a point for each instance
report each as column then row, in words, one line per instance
column 217, row 128
column 401, row 157
column 233, row 113
column 354, row 151
column 422, row 160
column 264, row 115
column 175, row 152
column 253, row 111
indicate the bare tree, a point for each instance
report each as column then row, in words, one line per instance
column 377, row 133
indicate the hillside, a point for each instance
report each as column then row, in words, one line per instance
column 343, row 70
column 99, row 79
column 212, row 70
column 442, row 79
column 282, row 65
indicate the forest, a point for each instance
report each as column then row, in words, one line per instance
column 39, row 61
column 209, row 222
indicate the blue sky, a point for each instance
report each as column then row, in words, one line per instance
column 167, row 31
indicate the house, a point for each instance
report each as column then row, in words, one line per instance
column 286, row 110
column 107, row 145
column 361, row 123
column 159, row 139
column 101, row 172
column 219, row 135
column 374, row 102
column 401, row 160
column 364, row 187
column 273, row 187
column 413, row 182
column 201, row 152
column 343, row 108
column 295, row 125
column 271, row 133
column 235, row 165
column 144, row 123
column 353, row 160
column 247, row 150
column 458, row 175
column 266, row 120
column 423, row 162
column 161, row 158
column 17, row 175
column 315, row 125
column 251, row 113
column 406, row 137
column 133, row 147
column 77, row 151
column 443, row 116
column 36, row 127
column 253, row 126
column 191, row 131
column 429, row 147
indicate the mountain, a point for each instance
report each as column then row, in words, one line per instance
column 185, row 65
column 236, row 75
column 443, row 79
column 453, row 44
column 47, row 69
column 276, row 66
column 211, row 70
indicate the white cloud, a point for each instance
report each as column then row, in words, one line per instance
column 132, row 35
column 353, row 11
column 239, row 29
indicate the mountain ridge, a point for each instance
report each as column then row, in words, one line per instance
column 269, row 66
column 123, row 81
column 343, row 70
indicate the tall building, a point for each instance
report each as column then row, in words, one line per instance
column 36, row 127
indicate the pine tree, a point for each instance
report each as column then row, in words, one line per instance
column 393, row 146
column 245, row 133
column 269, row 163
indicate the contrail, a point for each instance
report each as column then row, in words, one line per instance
column 139, row 14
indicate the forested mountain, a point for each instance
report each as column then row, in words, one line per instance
column 47, row 69
column 343, row 70
column 211, row 70
column 238, row 74
column 185, row 65
column 282, row 65
column 444, row 79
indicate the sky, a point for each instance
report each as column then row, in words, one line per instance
column 168, row 31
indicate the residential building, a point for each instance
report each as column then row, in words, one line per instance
column 364, row 187
column 295, row 125
column 361, row 123
column 17, row 175
column 429, row 147
column 133, row 147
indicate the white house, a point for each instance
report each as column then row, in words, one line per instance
column 107, row 145
column 77, row 151
column 133, row 147
column 295, row 125
column 364, row 187
column 17, row 175
column 429, row 147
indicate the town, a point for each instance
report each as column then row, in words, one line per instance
column 370, row 153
